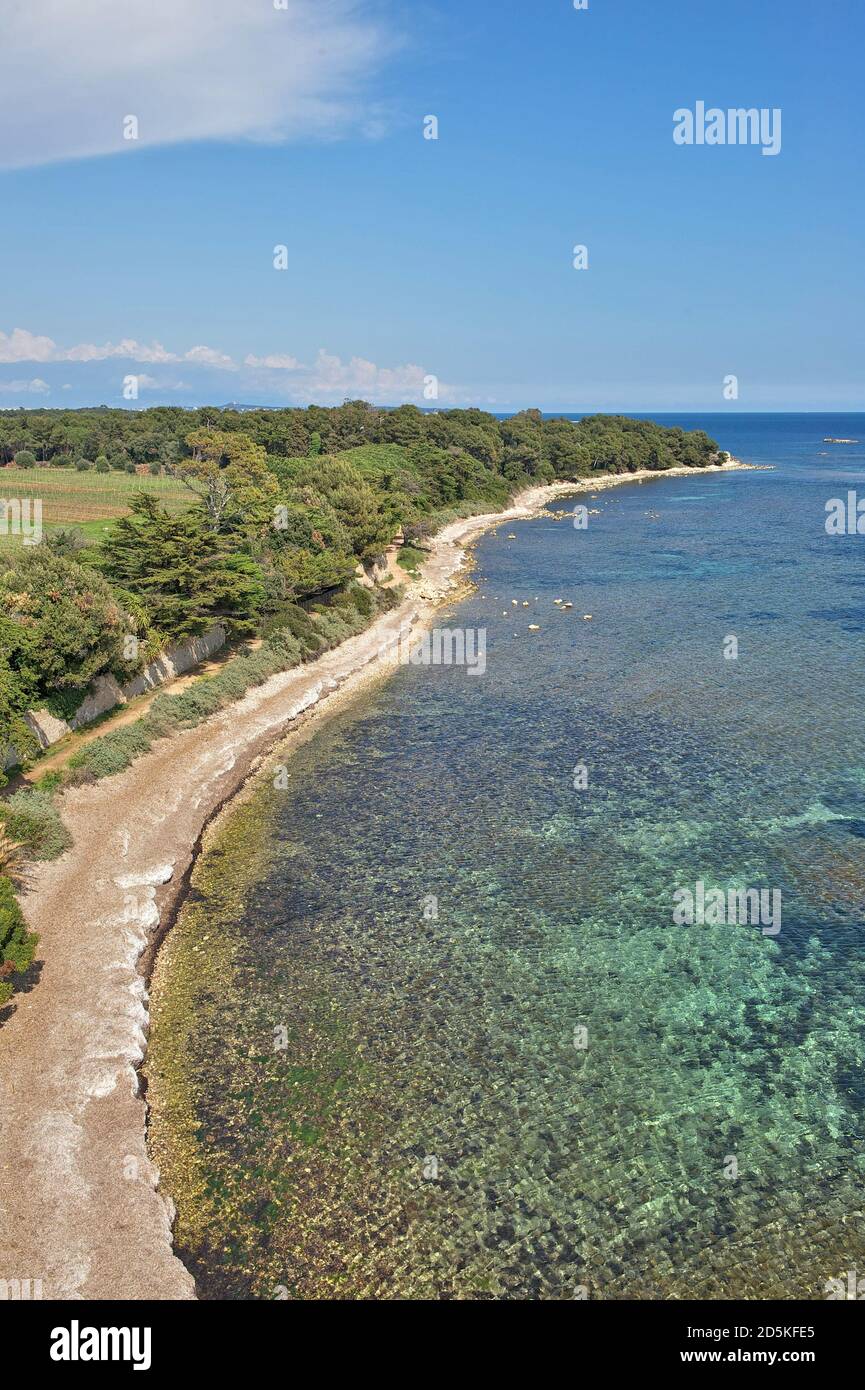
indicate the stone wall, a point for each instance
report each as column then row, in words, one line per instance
column 106, row 693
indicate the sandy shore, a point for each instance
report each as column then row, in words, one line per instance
column 80, row 1208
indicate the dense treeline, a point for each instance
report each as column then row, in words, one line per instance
column 521, row 445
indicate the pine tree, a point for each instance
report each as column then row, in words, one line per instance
column 181, row 571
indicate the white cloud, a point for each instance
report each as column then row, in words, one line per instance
column 210, row 357
column 35, row 387
column 277, row 360
column 22, row 346
column 277, row 375
column 151, row 383
column 330, row 377
column 186, row 69
column 127, row 347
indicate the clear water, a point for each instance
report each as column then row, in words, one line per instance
column 436, row 1123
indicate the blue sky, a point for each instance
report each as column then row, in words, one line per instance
column 410, row 258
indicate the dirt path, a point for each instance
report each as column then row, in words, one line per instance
column 57, row 759
column 79, row 1205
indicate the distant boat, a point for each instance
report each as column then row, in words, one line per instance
column 829, row 439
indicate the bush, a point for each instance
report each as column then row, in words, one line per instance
column 409, row 558
column 353, row 599
column 113, row 752
column 31, row 817
column 17, row 943
column 287, row 647
column 61, row 624
column 25, row 459
column 102, row 464
column 300, row 625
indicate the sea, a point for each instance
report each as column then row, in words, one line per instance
column 480, row 998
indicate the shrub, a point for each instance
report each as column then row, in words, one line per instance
column 61, row 623
column 283, row 642
column 30, row 817
column 25, row 459
column 301, row 626
column 409, row 558
column 351, row 601
column 113, row 752
column 17, row 943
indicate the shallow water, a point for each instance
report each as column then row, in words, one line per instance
column 427, row 1028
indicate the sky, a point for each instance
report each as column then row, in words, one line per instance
column 140, row 271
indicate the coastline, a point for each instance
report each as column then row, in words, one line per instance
column 74, row 1117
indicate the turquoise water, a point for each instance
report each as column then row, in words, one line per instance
column 510, row 1074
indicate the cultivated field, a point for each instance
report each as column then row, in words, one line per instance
column 88, row 501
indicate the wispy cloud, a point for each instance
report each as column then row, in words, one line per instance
column 23, row 346
column 273, row 377
column 35, row 387
column 328, row 377
column 185, row 69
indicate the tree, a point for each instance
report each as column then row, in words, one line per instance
column 522, row 454
column 358, row 505
column 181, row 570
column 41, row 426
column 230, row 474
column 13, row 704
column 60, row 624
column 309, row 550
column 25, row 459
column 406, row 425
column 563, row 450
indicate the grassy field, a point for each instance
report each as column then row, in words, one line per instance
column 88, row 501
column 374, row 460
